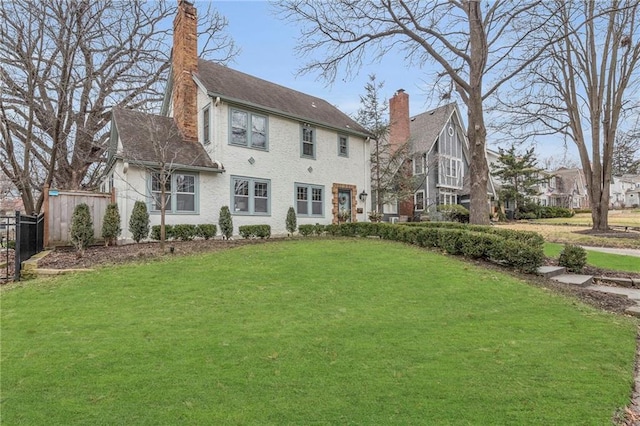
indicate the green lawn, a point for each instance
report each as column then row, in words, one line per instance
column 352, row 331
column 598, row 259
column 629, row 217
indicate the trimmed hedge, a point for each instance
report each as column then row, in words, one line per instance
column 207, row 230
column 255, row 231
column 155, row 232
column 521, row 250
column 184, row 232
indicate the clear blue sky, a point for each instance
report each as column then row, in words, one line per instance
column 267, row 51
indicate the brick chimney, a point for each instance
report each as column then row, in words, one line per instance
column 399, row 134
column 185, row 63
column 399, row 126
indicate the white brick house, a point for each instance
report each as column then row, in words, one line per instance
column 233, row 139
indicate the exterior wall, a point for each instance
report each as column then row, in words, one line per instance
column 283, row 166
column 133, row 185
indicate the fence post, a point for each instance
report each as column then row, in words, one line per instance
column 45, row 211
column 16, row 250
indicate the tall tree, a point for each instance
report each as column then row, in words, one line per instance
column 518, row 174
column 476, row 43
column 63, row 65
column 580, row 87
column 389, row 182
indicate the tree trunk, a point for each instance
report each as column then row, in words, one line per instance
column 477, row 132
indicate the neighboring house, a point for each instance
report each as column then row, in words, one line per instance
column 568, row 188
column 439, row 152
column 624, row 191
column 236, row 140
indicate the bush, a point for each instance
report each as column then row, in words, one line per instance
column 573, row 258
column 139, row 221
column 454, row 212
column 207, row 230
column 185, row 232
column 319, row 229
column 306, row 230
column 255, row 231
column 549, row 212
column 168, row 232
column 81, row 228
column 225, row 222
column 111, row 224
column 292, row 221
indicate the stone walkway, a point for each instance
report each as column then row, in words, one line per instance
column 558, row 273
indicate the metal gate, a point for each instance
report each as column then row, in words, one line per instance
column 21, row 236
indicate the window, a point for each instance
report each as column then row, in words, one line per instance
column 180, row 192
column 250, row 196
column 343, row 146
column 309, row 200
column 448, row 197
column 308, row 141
column 419, row 164
column 418, row 201
column 452, row 166
column 248, row 129
column 206, row 117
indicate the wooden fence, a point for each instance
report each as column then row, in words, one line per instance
column 58, row 211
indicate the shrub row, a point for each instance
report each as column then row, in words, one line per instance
column 184, row 232
column 255, row 231
column 535, row 211
column 518, row 249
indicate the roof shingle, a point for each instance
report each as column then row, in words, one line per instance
column 225, row 82
column 150, row 139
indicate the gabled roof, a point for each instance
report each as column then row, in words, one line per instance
column 426, row 127
column 235, row 86
column 148, row 139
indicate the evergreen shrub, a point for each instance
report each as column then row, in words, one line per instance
column 226, row 222
column 207, row 230
column 573, row 257
column 81, row 228
column 111, row 229
column 139, row 221
column 291, row 221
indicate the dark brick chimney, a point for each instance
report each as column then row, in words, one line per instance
column 399, row 126
column 185, row 63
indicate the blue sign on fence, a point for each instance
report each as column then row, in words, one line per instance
column 53, row 193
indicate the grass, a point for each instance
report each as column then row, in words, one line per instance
column 309, row 331
column 614, row 262
column 616, row 218
column 569, row 234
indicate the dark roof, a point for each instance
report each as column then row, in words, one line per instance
column 139, row 130
column 426, row 127
column 233, row 85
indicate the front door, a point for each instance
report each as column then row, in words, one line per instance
column 344, row 205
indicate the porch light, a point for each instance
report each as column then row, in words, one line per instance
column 363, row 196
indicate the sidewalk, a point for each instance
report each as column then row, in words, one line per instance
column 622, row 251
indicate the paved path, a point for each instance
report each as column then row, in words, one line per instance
column 622, row 251
column 631, row 293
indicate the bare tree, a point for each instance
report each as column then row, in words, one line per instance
column 390, row 181
column 580, row 87
column 476, row 43
column 626, row 154
column 63, row 65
